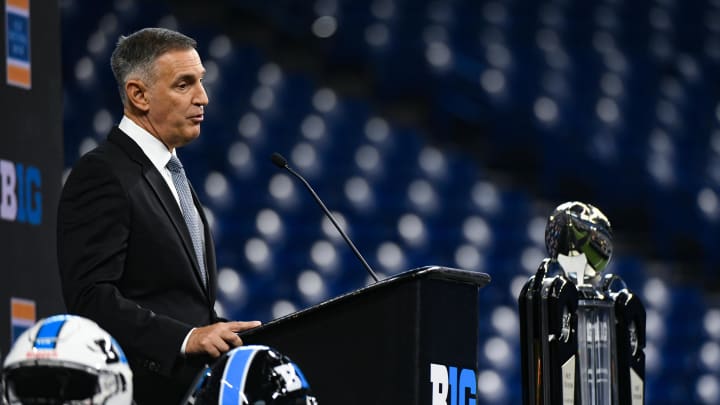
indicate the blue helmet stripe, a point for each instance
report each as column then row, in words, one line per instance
column 47, row 335
column 235, row 374
column 301, row 376
column 203, row 376
column 119, row 350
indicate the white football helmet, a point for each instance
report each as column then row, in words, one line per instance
column 67, row 359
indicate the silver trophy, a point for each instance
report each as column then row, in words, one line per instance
column 578, row 236
column 603, row 328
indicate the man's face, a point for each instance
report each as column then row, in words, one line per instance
column 177, row 97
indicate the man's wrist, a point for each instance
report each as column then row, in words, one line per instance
column 185, row 342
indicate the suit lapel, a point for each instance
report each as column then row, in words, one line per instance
column 164, row 195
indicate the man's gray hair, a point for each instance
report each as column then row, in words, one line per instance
column 134, row 55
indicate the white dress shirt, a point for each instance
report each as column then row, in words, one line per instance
column 153, row 148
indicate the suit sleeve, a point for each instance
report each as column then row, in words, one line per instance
column 93, row 230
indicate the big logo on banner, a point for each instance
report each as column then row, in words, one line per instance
column 20, row 193
column 452, row 385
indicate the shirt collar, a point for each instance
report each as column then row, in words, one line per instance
column 153, row 148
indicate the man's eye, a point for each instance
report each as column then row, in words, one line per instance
column 182, row 86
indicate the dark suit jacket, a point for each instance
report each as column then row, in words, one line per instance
column 127, row 262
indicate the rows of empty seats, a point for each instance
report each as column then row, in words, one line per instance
column 558, row 77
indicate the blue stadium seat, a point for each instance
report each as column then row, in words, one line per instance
column 617, row 99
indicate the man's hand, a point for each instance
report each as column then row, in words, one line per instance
column 217, row 338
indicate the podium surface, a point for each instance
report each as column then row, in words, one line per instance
column 376, row 345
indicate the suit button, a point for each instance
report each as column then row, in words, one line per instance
column 151, row 365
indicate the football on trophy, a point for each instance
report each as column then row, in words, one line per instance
column 576, row 228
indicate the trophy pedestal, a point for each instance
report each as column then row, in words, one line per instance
column 595, row 348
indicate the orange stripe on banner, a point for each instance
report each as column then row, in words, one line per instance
column 18, row 75
column 23, row 310
column 24, row 4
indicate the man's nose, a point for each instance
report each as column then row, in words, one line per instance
column 201, row 98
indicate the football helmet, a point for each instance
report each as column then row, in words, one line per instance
column 67, row 359
column 251, row 375
column 576, row 228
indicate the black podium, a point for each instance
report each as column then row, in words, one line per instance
column 377, row 345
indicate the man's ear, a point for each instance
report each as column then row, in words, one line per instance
column 137, row 94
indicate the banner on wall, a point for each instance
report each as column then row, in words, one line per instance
column 22, row 316
column 31, row 163
column 17, row 48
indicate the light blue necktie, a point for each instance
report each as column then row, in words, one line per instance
column 192, row 219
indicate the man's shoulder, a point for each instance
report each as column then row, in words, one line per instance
column 112, row 151
column 109, row 158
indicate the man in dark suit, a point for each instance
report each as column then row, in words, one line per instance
column 134, row 248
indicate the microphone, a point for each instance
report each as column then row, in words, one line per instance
column 280, row 162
